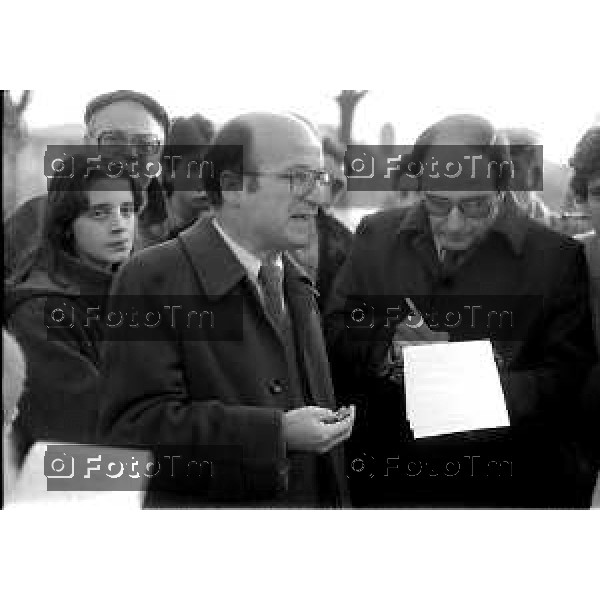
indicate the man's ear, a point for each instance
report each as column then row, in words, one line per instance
column 232, row 185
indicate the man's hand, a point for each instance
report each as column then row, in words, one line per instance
column 411, row 332
column 407, row 334
column 316, row 429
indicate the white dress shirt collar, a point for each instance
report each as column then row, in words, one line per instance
column 249, row 260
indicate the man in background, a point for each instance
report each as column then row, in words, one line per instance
column 585, row 185
column 330, row 241
column 187, row 142
column 523, row 154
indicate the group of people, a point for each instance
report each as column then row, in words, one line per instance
column 292, row 401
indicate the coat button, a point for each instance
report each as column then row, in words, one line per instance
column 275, row 386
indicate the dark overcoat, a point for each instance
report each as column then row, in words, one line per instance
column 219, row 396
column 52, row 318
column 540, row 276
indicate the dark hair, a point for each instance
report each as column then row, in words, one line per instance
column 189, row 131
column 231, row 150
column 104, row 100
column 477, row 131
column 585, row 162
column 187, row 135
column 67, row 199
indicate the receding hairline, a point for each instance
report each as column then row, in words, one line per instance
column 471, row 129
column 256, row 121
column 263, row 127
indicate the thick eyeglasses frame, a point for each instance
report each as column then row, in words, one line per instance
column 147, row 144
column 462, row 206
column 299, row 189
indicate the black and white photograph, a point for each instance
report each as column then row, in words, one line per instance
column 234, row 289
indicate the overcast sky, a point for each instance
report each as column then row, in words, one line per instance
column 409, row 110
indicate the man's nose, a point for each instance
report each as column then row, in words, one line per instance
column 455, row 220
column 117, row 222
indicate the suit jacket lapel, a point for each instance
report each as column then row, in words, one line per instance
column 303, row 308
column 216, row 266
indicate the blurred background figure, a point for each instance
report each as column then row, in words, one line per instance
column 134, row 127
column 530, row 201
column 13, row 379
column 586, row 189
column 585, row 186
column 188, row 138
column 330, row 240
column 86, row 235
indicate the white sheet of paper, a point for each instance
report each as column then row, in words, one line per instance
column 453, row 387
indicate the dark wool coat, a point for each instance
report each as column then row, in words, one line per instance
column 542, row 278
column 60, row 401
column 220, row 396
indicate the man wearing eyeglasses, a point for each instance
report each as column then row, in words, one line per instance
column 268, row 393
column 460, row 246
column 127, row 126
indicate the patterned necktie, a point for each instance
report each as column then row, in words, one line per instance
column 270, row 277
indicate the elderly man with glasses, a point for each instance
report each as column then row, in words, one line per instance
column 464, row 245
column 255, row 395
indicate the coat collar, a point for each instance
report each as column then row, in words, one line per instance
column 220, row 270
column 510, row 223
column 69, row 276
column 214, row 262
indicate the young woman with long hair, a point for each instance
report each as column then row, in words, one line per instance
column 89, row 231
